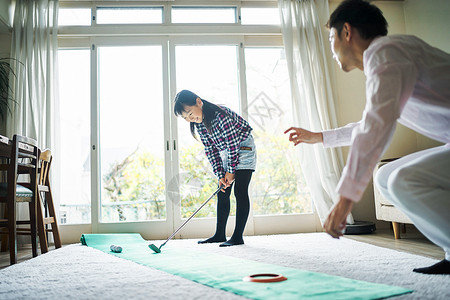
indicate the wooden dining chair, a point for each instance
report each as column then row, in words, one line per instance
column 45, row 209
column 21, row 186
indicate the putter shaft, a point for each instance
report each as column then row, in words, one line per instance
column 195, row 212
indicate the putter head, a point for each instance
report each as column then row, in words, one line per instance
column 154, row 248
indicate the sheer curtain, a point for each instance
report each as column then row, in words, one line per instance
column 308, row 57
column 34, row 48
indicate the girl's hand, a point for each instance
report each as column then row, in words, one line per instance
column 226, row 181
column 229, row 178
column 223, row 183
column 300, row 135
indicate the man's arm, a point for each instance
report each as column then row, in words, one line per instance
column 300, row 135
column 338, row 137
column 337, row 219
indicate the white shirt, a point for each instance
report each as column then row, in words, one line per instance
column 407, row 81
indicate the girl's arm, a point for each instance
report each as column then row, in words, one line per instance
column 233, row 140
column 212, row 153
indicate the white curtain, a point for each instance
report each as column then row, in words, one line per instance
column 34, row 48
column 308, row 57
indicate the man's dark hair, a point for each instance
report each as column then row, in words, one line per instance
column 365, row 17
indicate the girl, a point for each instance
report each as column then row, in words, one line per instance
column 231, row 151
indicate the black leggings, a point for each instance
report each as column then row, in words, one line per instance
column 241, row 182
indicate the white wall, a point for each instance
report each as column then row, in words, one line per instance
column 5, row 49
column 426, row 19
column 5, row 44
column 5, row 28
column 430, row 21
column 5, row 40
column 5, row 13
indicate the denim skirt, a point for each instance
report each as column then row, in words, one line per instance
column 247, row 155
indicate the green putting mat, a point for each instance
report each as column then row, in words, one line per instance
column 226, row 273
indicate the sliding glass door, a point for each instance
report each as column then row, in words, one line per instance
column 210, row 71
column 281, row 200
column 73, row 137
column 133, row 158
column 254, row 82
column 131, row 146
column 138, row 169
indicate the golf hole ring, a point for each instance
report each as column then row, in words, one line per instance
column 271, row 278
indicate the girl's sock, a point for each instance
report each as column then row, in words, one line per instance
column 213, row 239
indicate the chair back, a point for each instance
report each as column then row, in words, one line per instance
column 45, row 159
column 21, row 157
column 24, row 161
column 20, row 186
column 46, row 204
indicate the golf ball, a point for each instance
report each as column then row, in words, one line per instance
column 115, row 248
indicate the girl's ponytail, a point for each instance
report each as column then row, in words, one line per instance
column 209, row 113
column 188, row 98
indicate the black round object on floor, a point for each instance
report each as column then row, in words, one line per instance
column 360, row 227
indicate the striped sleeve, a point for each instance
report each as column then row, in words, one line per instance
column 211, row 152
column 232, row 139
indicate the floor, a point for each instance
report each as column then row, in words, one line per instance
column 411, row 241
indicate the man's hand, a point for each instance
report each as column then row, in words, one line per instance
column 300, row 135
column 226, row 181
column 337, row 219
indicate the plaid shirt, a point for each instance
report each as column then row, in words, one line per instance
column 227, row 132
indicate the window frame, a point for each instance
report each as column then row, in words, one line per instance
column 125, row 7
column 169, row 35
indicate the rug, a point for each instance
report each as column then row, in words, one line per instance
column 76, row 271
column 226, row 273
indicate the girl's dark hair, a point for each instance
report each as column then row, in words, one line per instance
column 188, row 98
column 365, row 17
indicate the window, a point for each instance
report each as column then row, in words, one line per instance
column 279, row 186
column 74, row 17
column 185, row 14
column 211, row 73
column 131, row 139
column 259, row 16
column 74, row 136
column 129, row 15
column 137, row 168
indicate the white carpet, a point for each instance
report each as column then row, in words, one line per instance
column 77, row 271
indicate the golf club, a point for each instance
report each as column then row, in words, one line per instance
column 158, row 250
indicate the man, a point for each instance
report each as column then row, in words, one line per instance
column 407, row 81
